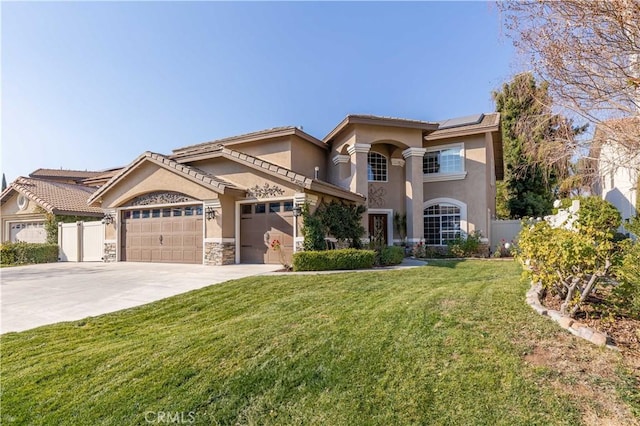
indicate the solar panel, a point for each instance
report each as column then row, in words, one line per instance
column 461, row 121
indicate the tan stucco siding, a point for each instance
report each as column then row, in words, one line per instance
column 245, row 176
column 403, row 137
column 305, row 156
column 472, row 190
column 150, row 177
column 10, row 207
column 276, row 151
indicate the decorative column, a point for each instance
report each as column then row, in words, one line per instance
column 300, row 199
column 217, row 250
column 111, row 221
column 414, row 193
column 360, row 180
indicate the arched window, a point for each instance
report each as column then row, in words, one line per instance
column 376, row 167
column 442, row 222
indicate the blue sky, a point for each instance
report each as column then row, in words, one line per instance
column 93, row 85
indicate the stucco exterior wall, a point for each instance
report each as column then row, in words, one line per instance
column 276, row 150
column 305, row 156
column 473, row 189
column 244, row 176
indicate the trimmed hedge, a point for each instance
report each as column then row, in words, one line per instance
column 24, row 253
column 330, row 260
column 391, row 255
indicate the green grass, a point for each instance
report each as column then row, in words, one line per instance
column 442, row 344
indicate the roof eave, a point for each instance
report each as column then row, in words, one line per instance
column 379, row 121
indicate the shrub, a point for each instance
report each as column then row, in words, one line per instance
column 569, row 264
column 23, row 253
column 465, row 246
column 598, row 217
column 626, row 296
column 389, row 255
column 328, row 260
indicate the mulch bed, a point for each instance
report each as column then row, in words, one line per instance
column 623, row 332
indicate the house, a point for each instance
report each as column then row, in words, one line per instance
column 25, row 203
column 617, row 165
column 225, row 201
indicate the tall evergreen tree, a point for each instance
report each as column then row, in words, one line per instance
column 4, row 182
column 527, row 125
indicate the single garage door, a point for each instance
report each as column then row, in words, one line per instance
column 28, row 232
column 167, row 235
column 260, row 225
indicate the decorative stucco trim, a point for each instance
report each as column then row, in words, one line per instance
column 340, row 159
column 359, row 147
column 110, row 241
column 439, row 177
column 397, row 162
column 414, row 152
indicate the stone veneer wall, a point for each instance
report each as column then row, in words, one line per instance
column 109, row 252
column 219, row 253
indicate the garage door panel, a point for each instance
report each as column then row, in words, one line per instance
column 258, row 230
column 168, row 237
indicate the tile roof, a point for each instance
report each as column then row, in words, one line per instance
column 62, row 173
column 55, row 197
column 288, row 174
column 191, row 173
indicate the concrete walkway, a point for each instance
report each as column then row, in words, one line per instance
column 35, row 295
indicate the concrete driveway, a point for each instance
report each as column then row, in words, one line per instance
column 35, row 295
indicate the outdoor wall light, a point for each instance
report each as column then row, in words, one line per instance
column 108, row 219
column 211, row 213
column 297, row 211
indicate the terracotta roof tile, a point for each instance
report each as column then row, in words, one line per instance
column 56, row 197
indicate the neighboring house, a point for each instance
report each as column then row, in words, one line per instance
column 225, row 201
column 26, row 201
column 617, row 168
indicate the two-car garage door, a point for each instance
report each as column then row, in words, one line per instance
column 167, row 235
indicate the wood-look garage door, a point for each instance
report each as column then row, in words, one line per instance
column 171, row 235
column 260, row 225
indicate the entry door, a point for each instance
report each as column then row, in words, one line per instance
column 378, row 227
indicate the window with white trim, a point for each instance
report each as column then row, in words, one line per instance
column 441, row 223
column 376, row 167
column 444, row 160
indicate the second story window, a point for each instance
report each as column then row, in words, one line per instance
column 376, row 167
column 447, row 160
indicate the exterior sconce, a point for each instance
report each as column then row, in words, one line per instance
column 108, row 219
column 297, row 211
column 211, row 213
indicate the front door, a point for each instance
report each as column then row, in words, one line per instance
column 378, row 227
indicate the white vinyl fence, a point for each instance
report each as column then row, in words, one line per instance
column 81, row 241
column 506, row 230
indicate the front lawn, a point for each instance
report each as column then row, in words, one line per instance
column 449, row 343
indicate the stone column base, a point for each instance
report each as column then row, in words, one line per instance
column 219, row 253
column 109, row 253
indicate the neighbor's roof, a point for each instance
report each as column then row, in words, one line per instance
column 457, row 127
column 378, row 120
column 54, row 197
column 62, row 173
column 244, row 138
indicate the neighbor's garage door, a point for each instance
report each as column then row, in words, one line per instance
column 172, row 235
column 262, row 223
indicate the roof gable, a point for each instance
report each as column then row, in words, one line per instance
column 191, row 173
